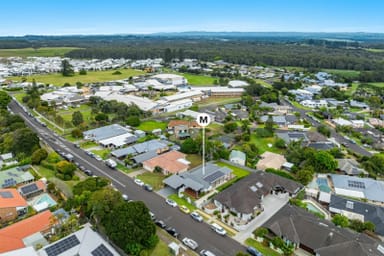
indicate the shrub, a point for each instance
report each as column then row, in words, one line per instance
column 260, row 232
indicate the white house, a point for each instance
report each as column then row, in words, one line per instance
column 237, row 157
column 314, row 103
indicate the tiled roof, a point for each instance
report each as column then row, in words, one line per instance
column 10, row 198
column 11, row 237
column 168, row 162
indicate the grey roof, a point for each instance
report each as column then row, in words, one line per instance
column 195, row 179
column 237, row 154
column 245, row 195
column 14, row 176
column 372, row 189
column 321, row 236
column 151, row 145
column 144, row 156
column 105, row 132
column 371, row 212
column 275, row 119
column 288, row 136
column 268, row 105
column 349, row 166
column 322, row 145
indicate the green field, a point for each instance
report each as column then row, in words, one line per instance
column 351, row 90
column 218, row 101
column 353, row 74
column 198, row 79
column 152, row 178
column 150, row 125
column 235, row 170
column 381, row 84
column 84, row 109
column 374, row 50
column 39, row 52
column 262, row 144
column 91, row 76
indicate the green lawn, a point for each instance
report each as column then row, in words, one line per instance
column 262, row 144
column 198, row 79
column 353, row 74
column 88, row 144
column 218, row 101
column 260, row 247
column 263, row 83
column 381, row 84
column 152, row 178
column 67, row 114
column 40, row 52
column 104, row 153
column 124, row 168
column 235, row 170
column 374, row 50
column 351, row 90
column 161, row 249
column 195, row 160
column 150, row 125
column 182, row 201
column 92, row 76
column 298, row 105
column 44, row 172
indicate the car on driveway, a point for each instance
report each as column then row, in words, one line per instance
column 253, row 251
column 172, row 232
column 196, row 216
column 218, row 229
column 160, row 223
column 184, row 209
column 190, row 243
column 171, row 202
column 139, row 182
column 148, row 187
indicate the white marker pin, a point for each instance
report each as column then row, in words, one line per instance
column 203, row 120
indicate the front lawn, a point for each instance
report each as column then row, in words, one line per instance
column 161, row 249
column 195, row 160
column 150, row 125
column 103, row 153
column 154, row 179
column 261, row 248
column 182, row 201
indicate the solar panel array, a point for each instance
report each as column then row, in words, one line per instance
column 29, row 189
column 214, row 176
column 6, row 194
column 101, row 250
column 62, row 246
column 356, row 184
column 9, row 183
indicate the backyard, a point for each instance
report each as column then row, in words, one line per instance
column 150, row 125
column 263, row 144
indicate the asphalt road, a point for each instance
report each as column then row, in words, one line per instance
column 339, row 138
column 184, row 224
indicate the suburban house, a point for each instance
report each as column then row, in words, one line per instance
column 364, row 188
column 28, row 232
column 32, row 189
column 82, row 242
column 319, row 237
column 197, row 180
column 276, row 109
column 314, row 103
column 182, row 128
column 159, row 146
column 290, row 136
column 349, row 167
column 12, row 205
column 237, row 83
column 359, row 210
column 237, row 157
column 245, row 197
column 270, row 160
column 358, row 104
column 280, row 120
column 14, row 177
column 110, row 134
column 172, row 162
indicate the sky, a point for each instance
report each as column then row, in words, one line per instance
column 68, row 17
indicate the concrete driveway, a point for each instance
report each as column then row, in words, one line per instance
column 272, row 204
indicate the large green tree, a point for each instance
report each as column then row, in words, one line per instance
column 77, row 118
column 102, row 202
column 323, row 161
column 66, row 68
column 4, row 100
column 24, row 141
column 130, row 227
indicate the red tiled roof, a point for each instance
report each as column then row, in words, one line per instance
column 15, row 201
column 11, row 237
column 168, row 162
column 190, row 124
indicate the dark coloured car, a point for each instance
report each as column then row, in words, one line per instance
column 172, row 232
column 82, row 168
column 160, row 223
column 253, row 251
column 148, row 187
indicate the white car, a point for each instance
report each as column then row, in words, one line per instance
column 218, row 229
column 125, row 197
column 190, row 243
column 139, row 182
column 196, row 216
column 171, row 202
column 98, row 158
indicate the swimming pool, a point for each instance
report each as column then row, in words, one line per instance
column 45, row 199
column 313, row 208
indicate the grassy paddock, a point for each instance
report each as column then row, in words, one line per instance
column 150, row 125
column 91, row 76
column 344, row 72
column 152, row 178
column 39, row 52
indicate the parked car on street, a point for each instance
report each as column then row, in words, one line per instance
column 171, row 202
column 196, row 216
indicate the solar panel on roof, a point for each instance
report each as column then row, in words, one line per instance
column 29, row 188
column 214, row 176
column 62, row 246
column 6, row 194
column 101, row 250
column 356, row 184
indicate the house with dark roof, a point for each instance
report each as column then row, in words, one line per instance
column 319, row 237
column 32, row 189
column 359, row 210
column 199, row 180
column 12, row 205
column 151, row 145
column 289, row 136
column 349, row 167
column 245, row 197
